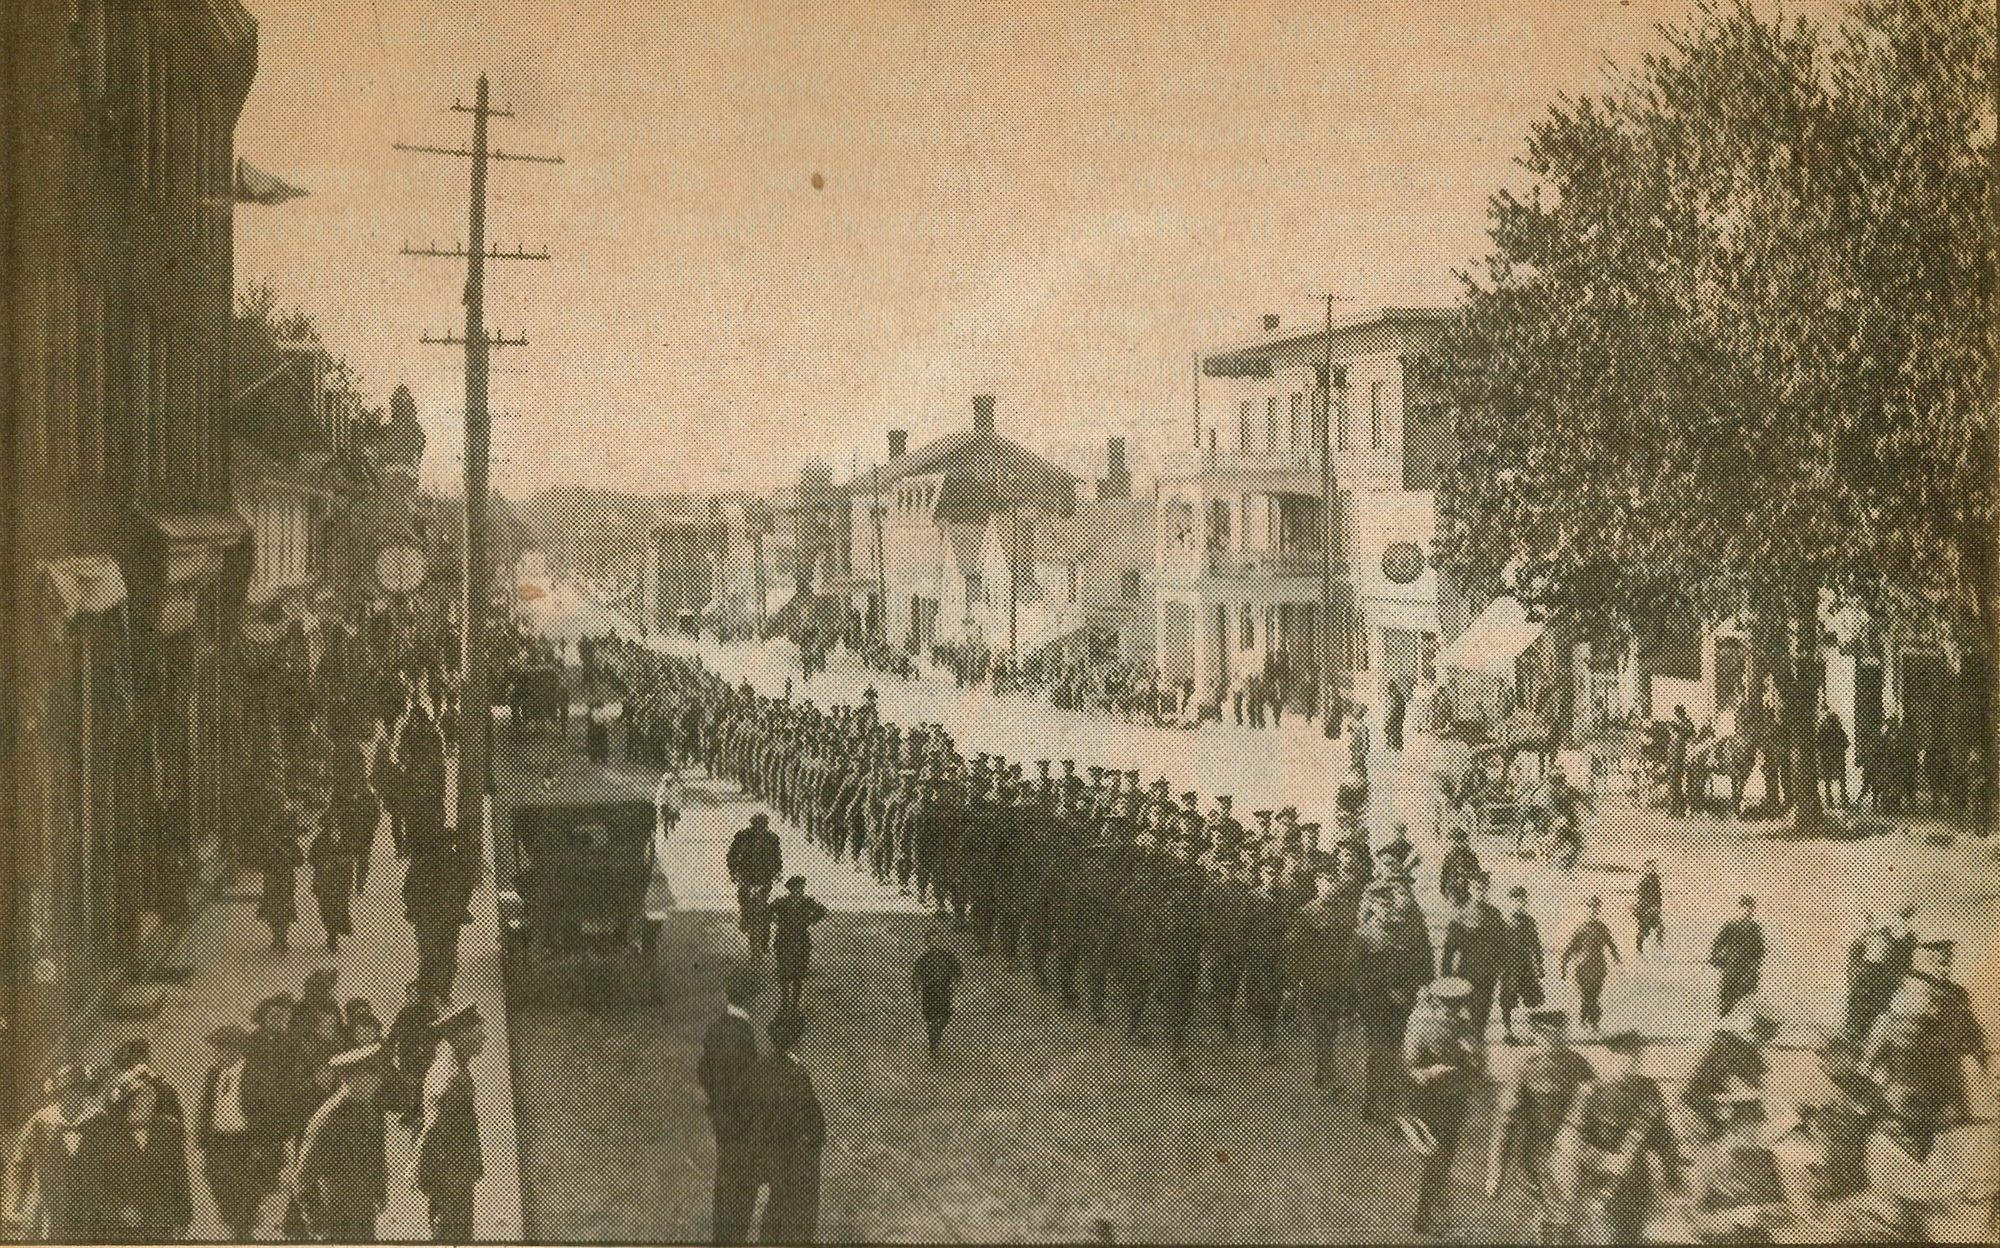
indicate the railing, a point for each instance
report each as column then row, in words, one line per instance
column 1262, row 563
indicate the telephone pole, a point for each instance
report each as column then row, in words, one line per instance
column 475, row 746
column 1335, row 640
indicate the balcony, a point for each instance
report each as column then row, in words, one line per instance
column 1293, row 562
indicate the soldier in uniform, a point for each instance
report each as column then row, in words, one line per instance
column 1392, row 962
column 1445, row 1064
column 1228, row 912
column 1618, row 1154
column 1530, row 1112
column 1917, row 1050
column 1322, row 932
column 1185, row 936
column 339, row 1180
column 1475, row 949
column 1525, row 967
column 1265, row 926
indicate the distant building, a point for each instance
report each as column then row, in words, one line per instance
column 1241, row 527
column 942, row 545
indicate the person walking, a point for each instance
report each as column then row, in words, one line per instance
column 437, row 897
column 1647, row 908
column 339, row 1181
column 449, row 1165
column 728, row 1054
column 755, row 860
column 281, row 858
column 1445, row 1064
column 1832, row 745
column 333, row 872
column 790, row 1134
column 1320, row 952
column 411, row 1045
column 1619, row 1149
column 1738, row 952
column 1524, row 964
column 150, row 1197
column 1591, row 951
column 356, row 809
column 934, row 979
column 240, row 1170
column 792, row 919
column 1529, row 1116
column 1475, row 950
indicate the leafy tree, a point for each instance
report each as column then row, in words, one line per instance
column 1734, row 347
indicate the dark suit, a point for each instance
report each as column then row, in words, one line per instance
column 790, row 1132
column 728, row 1053
column 342, row 1171
column 148, row 1181
column 448, row 1162
column 241, row 1166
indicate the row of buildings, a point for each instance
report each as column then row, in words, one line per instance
column 1288, row 545
column 169, row 472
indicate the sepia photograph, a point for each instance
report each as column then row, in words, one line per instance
column 951, row 621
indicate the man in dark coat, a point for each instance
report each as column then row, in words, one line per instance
column 1648, row 906
column 449, row 1165
column 1445, row 1064
column 1530, row 1111
column 150, row 1198
column 755, row 858
column 728, row 1052
column 339, row 1177
column 1475, row 949
column 1591, row 951
column 934, row 978
column 1623, row 1152
column 241, row 1168
column 1456, row 871
column 1738, row 953
column 1917, row 1050
column 1322, row 933
column 437, row 895
column 792, row 919
column 1525, row 964
column 790, row 1132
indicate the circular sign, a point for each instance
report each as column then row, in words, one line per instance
column 400, row 569
column 1403, row 562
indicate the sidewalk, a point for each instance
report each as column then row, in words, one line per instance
column 234, row 968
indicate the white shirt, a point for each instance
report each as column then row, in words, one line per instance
column 227, row 1115
column 737, row 1010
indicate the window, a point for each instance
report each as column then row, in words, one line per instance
column 1298, row 421
column 1271, row 423
column 1247, row 414
column 1247, row 627
column 1375, row 416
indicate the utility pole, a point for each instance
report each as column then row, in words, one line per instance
column 475, row 747
column 1334, row 645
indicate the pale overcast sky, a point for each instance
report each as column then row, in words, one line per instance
column 1057, row 205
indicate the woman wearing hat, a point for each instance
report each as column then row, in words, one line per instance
column 56, row 1190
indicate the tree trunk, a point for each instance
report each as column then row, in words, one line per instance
column 1802, row 713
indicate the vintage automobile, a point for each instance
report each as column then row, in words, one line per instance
column 581, row 873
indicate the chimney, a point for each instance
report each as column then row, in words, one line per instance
column 982, row 412
column 1270, row 322
column 1117, row 481
column 899, row 441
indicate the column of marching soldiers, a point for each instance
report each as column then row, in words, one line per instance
column 1102, row 883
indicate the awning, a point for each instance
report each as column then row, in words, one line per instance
column 1501, row 635
column 85, row 584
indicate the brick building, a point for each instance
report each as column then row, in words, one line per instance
column 123, row 562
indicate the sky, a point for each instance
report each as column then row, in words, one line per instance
column 1057, row 205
